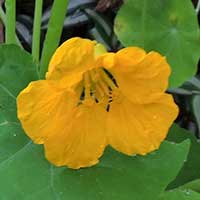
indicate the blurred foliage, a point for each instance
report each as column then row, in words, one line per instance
column 82, row 19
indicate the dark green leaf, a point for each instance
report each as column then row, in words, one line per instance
column 190, row 170
column 196, row 109
column 26, row 174
column 193, row 185
column 180, row 195
column 192, row 84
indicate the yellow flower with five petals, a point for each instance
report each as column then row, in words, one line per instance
column 91, row 99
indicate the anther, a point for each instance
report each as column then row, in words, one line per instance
column 107, row 79
column 108, row 108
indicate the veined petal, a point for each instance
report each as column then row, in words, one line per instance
column 71, row 60
column 139, row 129
column 106, row 60
column 141, row 81
column 44, row 109
column 129, row 57
column 82, row 141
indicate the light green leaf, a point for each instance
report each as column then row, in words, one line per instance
column 16, row 71
column 191, row 168
column 167, row 26
column 180, row 195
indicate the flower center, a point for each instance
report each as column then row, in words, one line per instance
column 98, row 86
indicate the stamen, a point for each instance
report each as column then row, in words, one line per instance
column 79, row 89
column 110, row 76
column 82, row 96
column 108, row 108
column 94, row 75
column 104, row 87
column 99, row 85
column 99, row 91
column 107, row 79
column 87, row 84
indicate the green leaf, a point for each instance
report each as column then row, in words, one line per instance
column 180, row 195
column 192, row 84
column 16, row 71
column 53, row 35
column 167, row 26
column 196, row 109
column 193, row 185
column 190, row 87
column 190, row 170
column 26, row 174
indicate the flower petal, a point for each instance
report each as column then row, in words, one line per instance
column 82, row 141
column 44, row 109
column 71, row 60
column 129, row 57
column 141, row 81
column 106, row 60
column 139, row 129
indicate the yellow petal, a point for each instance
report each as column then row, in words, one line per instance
column 82, row 141
column 44, row 109
column 139, row 129
column 71, row 60
column 129, row 57
column 106, row 60
column 141, row 81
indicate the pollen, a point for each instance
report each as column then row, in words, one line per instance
column 98, row 86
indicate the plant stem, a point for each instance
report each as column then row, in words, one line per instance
column 54, row 32
column 198, row 7
column 3, row 19
column 36, row 30
column 2, row 15
column 10, row 21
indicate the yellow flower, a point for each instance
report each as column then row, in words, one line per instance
column 91, row 99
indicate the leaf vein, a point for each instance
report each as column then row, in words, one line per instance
column 16, row 153
column 7, row 91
